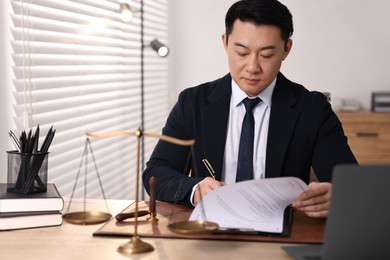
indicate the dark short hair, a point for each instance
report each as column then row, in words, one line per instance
column 258, row 12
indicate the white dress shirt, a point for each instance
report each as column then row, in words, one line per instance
column 261, row 113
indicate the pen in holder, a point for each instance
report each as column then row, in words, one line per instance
column 27, row 166
column 27, row 172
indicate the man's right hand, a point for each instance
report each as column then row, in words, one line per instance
column 205, row 186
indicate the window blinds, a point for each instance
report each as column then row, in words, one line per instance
column 77, row 67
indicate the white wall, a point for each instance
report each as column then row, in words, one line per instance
column 197, row 50
column 339, row 46
column 5, row 82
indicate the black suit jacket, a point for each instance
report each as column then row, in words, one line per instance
column 303, row 132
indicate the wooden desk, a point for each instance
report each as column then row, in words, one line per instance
column 76, row 242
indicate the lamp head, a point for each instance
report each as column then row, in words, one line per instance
column 126, row 12
column 160, row 48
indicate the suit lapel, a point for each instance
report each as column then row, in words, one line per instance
column 216, row 114
column 283, row 119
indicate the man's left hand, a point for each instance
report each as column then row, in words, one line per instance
column 315, row 201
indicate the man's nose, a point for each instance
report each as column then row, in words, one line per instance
column 253, row 65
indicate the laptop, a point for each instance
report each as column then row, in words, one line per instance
column 358, row 224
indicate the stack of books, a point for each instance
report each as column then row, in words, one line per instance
column 18, row 211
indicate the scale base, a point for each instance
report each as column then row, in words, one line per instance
column 135, row 246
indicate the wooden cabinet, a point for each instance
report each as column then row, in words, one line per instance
column 368, row 135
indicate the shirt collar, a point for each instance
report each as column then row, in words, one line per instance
column 266, row 95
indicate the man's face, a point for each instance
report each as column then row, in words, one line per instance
column 255, row 54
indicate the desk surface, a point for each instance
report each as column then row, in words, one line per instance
column 70, row 241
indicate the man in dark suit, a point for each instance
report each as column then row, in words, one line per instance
column 294, row 129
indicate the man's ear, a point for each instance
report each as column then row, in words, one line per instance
column 224, row 41
column 287, row 48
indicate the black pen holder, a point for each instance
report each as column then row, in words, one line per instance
column 27, row 172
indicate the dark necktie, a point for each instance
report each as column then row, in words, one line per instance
column 245, row 152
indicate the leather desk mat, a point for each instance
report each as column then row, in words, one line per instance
column 303, row 229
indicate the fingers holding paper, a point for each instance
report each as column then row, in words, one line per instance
column 314, row 202
column 205, row 186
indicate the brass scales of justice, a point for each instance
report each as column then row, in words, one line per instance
column 136, row 245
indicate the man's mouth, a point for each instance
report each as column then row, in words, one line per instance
column 251, row 81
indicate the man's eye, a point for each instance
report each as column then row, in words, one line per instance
column 268, row 56
column 242, row 54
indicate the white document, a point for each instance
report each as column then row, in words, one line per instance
column 250, row 205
